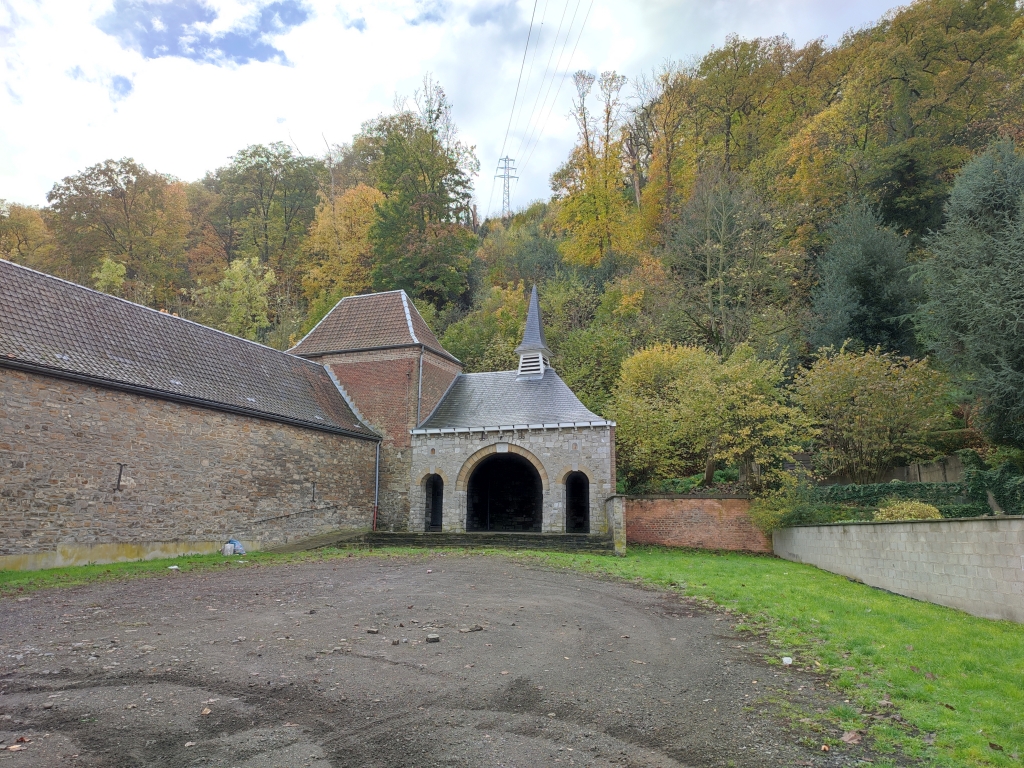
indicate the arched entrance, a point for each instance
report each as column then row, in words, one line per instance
column 434, row 492
column 577, row 503
column 504, row 494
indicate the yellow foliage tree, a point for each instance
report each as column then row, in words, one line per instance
column 682, row 410
column 339, row 242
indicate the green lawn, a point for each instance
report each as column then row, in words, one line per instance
column 947, row 673
column 951, row 676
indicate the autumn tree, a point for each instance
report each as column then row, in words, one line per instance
column 486, row 338
column 683, row 410
column 727, row 271
column 120, row 210
column 592, row 206
column 422, row 237
column 26, row 239
column 873, row 411
column 240, row 303
column 340, row 246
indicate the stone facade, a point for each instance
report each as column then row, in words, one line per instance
column 974, row 564
column 693, row 521
column 190, row 477
column 554, row 453
column 393, row 390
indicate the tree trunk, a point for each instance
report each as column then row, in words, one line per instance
column 709, row 470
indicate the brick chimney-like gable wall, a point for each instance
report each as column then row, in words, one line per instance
column 384, row 384
column 438, row 375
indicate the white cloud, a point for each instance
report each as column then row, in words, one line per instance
column 181, row 93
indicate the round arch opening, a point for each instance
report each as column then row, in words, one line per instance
column 433, row 488
column 505, row 493
column 577, row 503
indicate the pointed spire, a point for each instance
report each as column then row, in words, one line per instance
column 533, row 352
column 533, row 336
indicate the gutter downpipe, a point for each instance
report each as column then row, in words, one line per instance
column 376, row 487
column 419, row 392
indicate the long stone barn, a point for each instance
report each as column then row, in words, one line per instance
column 128, row 433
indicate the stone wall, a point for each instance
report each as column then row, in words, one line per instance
column 554, row 452
column 693, row 521
column 189, row 477
column 974, row 564
column 384, row 385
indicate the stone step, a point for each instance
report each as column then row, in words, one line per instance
column 566, row 542
column 563, row 542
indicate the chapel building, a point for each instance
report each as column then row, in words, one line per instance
column 505, row 451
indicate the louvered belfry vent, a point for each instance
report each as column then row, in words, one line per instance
column 531, row 364
column 533, row 352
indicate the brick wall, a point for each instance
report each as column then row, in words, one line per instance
column 438, row 374
column 689, row 521
column 975, row 564
column 384, row 385
column 191, row 474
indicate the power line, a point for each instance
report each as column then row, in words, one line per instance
column 533, row 62
column 579, row 37
column 516, row 97
column 530, row 126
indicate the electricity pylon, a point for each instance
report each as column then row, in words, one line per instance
column 506, row 169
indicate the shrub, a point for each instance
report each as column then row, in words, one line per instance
column 873, row 411
column 798, row 504
column 907, row 510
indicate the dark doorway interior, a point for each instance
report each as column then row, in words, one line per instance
column 435, row 502
column 577, row 503
column 505, row 494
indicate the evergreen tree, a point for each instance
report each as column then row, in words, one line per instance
column 864, row 291
column 975, row 284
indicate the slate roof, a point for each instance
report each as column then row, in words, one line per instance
column 504, row 399
column 533, row 334
column 52, row 326
column 369, row 321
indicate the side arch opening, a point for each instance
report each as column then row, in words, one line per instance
column 577, row 503
column 433, row 488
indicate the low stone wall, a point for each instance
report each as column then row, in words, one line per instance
column 719, row 522
column 89, row 474
column 974, row 564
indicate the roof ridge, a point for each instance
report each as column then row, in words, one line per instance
column 408, row 316
column 157, row 312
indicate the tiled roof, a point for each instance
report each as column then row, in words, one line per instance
column 504, row 399
column 53, row 326
column 369, row 321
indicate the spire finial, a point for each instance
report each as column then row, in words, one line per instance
column 533, row 352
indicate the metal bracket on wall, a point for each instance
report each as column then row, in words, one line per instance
column 120, row 471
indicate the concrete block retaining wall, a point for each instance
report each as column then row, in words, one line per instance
column 974, row 564
column 720, row 522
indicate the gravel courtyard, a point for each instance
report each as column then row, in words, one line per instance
column 332, row 664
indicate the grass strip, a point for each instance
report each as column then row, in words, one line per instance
column 956, row 679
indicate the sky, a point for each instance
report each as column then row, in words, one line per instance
column 181, row 86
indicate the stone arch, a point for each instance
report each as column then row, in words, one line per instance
column 422, row 478
column 462, row 483
column 564, row 472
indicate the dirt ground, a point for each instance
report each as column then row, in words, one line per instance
column 333, row 664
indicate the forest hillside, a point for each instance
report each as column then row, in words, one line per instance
column 769, row 251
